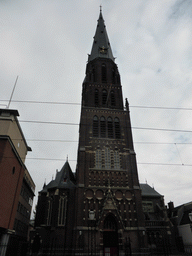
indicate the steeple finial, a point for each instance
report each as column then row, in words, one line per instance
column 100, row 8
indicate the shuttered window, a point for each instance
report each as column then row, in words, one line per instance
column 102, row 127
column 95, row 126
column 117, row 129
column 110, row 127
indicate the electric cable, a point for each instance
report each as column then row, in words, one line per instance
column 78, row 104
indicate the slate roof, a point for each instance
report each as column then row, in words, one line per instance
column 146, row 190
column 64, row 179
column 181, row 212
column 101, row 41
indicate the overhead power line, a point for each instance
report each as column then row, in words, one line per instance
column 78, row 104
column 136, row 128
column 144, row 142
column 72, row 160
column 54, row 140
column 54, row 159
column 45, row 102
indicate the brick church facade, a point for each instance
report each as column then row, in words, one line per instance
column 97, row 210
column 107, row 179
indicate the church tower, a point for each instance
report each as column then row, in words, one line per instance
column 109, row 216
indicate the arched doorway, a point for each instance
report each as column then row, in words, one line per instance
column 110, row 236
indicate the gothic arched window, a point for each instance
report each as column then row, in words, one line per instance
column 110, row 127
column 116, row 159
column 112, row 98
column 104, row 73
column 107, row 158
column 102, row 127
column 104, row 97
column 95, row 126
column 96, row 97
column 117, row 129
column 62, row 211
column 49, row 216
column 98, row 159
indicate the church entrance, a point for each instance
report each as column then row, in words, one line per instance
column 110, row 237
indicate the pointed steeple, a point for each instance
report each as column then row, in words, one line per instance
column 101, row 46
column 63, row 179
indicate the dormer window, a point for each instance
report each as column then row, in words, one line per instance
column 65, row 180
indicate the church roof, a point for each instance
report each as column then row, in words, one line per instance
column 101, row 46
column 147, row 190
column 64, row 179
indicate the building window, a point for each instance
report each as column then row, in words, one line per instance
column 95, row 126
column 98, row 159
column 104, row 73
column 104, row 97
column 116, row 160
column 96, row 97
column 62, row 211
column 147, row 206
column 50, row 203
column 105, row 129
column 102, row 127
column 117, row 129
column 107, row 158
column 110, row 127
column 112, row 98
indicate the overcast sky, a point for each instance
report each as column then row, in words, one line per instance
column 46, row 44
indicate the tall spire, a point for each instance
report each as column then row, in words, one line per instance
column 101, row 46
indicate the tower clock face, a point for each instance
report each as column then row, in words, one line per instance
column 103, row 50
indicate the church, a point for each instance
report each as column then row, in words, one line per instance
column 99, row 209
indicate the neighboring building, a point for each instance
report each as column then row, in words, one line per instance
column 55, row 214
column 181, row 218
column 16, row 185
column 158, row 226
column 100, row 211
